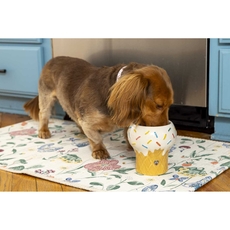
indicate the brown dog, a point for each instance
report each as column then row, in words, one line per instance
column 99, row 99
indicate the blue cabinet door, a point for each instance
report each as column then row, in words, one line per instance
column 219, row 88
column 22, row 65
column 21, row 62
column 219, row 78
column 224, row 82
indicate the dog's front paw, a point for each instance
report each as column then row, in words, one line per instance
column 101, row 154
column 44, row 134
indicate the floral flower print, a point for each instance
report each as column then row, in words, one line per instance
column 71, row 158
column 186, row 164
column 151, row 179
column 103, row 165
column 83, row 144
column 30, row 131
column 199, row 183
column 172, row 149
column 226, row 145
column 44, row 172
column 73, row 150
column 150, row 188
column 180, row 179
column 48, row 148
column 184, row 147
column 192, row 171
column 24, row 123
column 69, row 179
column 75, row 142
column 59, row 131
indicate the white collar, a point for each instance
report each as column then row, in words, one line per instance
column 120, row 72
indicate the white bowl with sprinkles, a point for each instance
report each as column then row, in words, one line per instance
column 150, row 138
column 152, row 145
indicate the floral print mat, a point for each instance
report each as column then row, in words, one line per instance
column 66, row 158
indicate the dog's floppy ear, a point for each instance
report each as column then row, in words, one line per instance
column 127, row 97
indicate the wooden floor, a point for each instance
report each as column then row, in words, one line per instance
column 18, row 182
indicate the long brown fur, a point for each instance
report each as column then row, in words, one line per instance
column 97, row 101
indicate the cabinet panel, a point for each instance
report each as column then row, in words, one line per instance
column 23, row 59
column 23, row 66
column 224, row 80
column 21, row 40
column 219, row 88
column 224, row 40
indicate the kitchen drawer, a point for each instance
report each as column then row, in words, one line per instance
column 224, row 81
column 224, row 40
column 23, row 65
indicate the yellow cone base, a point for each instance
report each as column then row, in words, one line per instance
column 155, row 163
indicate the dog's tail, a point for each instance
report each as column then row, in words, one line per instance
column 32, row 108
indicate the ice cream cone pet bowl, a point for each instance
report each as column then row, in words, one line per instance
column 152, row 145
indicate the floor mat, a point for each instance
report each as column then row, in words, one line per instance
column 66, row 158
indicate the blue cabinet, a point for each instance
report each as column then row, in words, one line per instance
column 22, row 66
column 21, row 62
column 219, row 88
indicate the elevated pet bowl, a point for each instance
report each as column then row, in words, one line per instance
column 152, row 145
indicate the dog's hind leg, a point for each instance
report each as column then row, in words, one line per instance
column 46, row 103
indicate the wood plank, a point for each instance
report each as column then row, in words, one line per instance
column 66, row 188
column 5, row 181
column 23, row 183
column 47, row 186
column 193, row 134
column 220, row 183
column 1, row 114
column 10, row 119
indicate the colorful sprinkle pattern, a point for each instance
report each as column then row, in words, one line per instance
column 145, row 139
